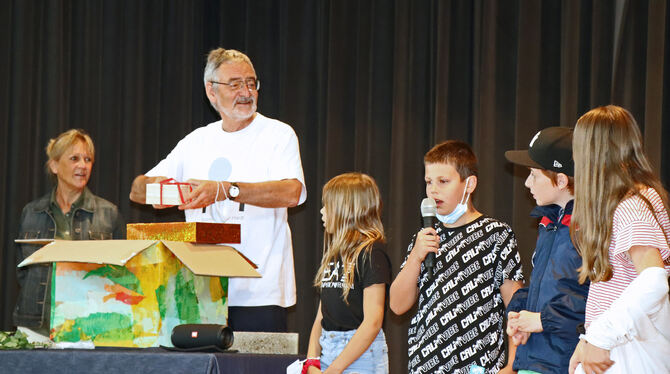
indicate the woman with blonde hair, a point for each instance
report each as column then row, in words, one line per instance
column 353, row 278
column 70, row 212
column 621, row 228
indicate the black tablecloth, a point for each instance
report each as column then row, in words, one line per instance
column 147, row 360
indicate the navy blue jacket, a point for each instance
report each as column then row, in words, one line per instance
column 554, row 292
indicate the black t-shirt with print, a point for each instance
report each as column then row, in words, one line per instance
column 459, row 319
column 371, row 269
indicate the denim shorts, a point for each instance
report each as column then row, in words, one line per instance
column 373, row 361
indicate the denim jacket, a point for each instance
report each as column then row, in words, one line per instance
column 96, row 218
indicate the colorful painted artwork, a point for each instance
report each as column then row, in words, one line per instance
column 136, row 305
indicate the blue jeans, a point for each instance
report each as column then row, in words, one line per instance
column 373, row 361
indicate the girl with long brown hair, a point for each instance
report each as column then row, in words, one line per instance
column 621, row 228
column 353, row 279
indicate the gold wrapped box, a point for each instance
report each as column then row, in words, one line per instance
column 192, row 232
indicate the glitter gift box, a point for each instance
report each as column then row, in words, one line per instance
column 131, row 293
column 192, row 232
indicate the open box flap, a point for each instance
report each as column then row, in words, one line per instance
column 212, row 260
column 34, row 241
column 201, row 259
column 114, row 252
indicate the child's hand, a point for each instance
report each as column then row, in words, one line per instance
column 513, row 331
column 426, row 241
column 511, row 326
column 593, row 359
column 520, row 338
column 527, row 322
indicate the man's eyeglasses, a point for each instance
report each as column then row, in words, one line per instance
column 251, row 83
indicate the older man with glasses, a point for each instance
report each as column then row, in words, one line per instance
column 245, row 169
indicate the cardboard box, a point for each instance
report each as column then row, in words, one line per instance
column 194, row 232
column 131, row 293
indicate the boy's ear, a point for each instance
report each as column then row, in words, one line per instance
column 472, row 185
column 562, row 180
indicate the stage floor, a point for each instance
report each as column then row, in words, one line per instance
column 136, row 360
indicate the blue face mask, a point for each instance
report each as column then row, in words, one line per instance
column 460, row 209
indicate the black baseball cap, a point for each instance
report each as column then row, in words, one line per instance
column 550, row 149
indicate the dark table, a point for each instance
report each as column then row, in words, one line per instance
column 136, row 360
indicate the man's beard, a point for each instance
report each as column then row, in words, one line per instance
column 235, row 114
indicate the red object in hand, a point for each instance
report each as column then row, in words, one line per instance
column 310, row 362
column 179, row 185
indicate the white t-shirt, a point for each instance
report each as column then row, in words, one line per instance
column 266, row 150
column 633, row 225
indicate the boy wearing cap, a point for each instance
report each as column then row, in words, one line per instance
column 544, row 316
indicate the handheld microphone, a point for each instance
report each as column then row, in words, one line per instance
column 428, row 212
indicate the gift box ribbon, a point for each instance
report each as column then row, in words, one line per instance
column 173, row 182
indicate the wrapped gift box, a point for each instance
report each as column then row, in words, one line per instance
column 193, row 232
column 167, row 193
column 131, row 293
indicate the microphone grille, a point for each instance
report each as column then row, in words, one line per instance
column 428, row 207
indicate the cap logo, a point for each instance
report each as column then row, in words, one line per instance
column 534, row 138
column 557, row 164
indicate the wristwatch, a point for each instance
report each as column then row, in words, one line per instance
column 233, row 191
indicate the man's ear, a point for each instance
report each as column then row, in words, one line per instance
column 209, row 90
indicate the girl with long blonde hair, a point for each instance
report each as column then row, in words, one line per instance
column 621, row 228
column 353, row 279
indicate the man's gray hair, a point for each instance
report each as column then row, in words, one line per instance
column 219, row 56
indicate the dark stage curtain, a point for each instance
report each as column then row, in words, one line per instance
column 367, row 85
